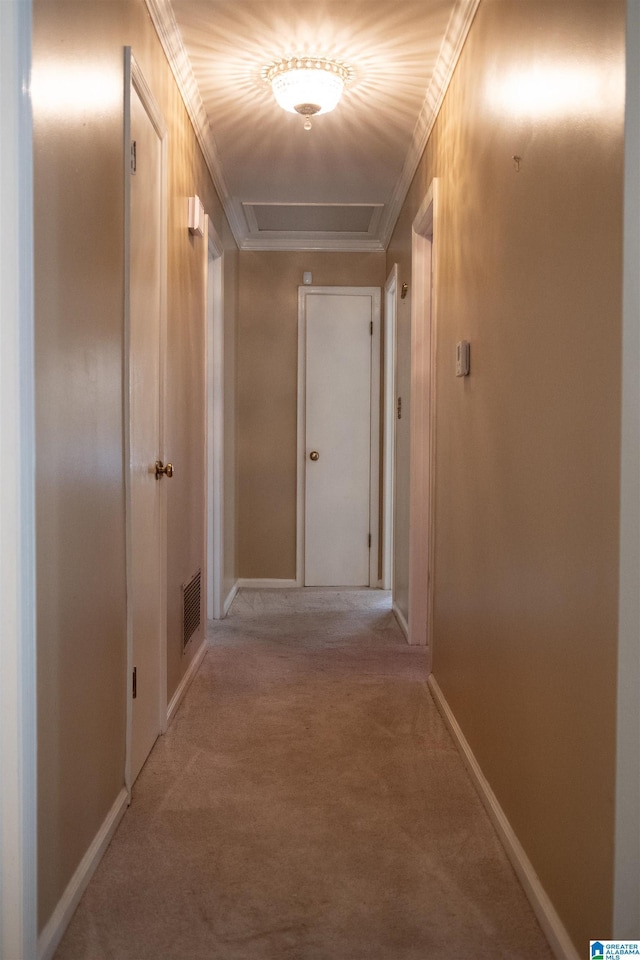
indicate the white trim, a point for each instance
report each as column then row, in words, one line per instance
column 247, row 583
column 301, row 440
column 450, row 49
column 374, row 475
column 249, row 212
column 422, row 425
column 54, row 930
column 389, row 429
column 230, row 597
column 399, row 615
column 134, row 79
column 186, row 681
column 374, row 482
column 147, row 98
column 544, row 910
column 626, row 901
column 18, row 787
column 214, row 419
column 126, row 377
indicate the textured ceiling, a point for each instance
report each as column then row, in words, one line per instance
column 356, row 163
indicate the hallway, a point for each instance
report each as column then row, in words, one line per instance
column 307, row 803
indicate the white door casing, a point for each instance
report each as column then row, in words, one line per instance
column 18, row 763
column 626, row 902
column 338, row 417
column 214, row 380
column 145, row 256
column 389, row 432
column 423, row 394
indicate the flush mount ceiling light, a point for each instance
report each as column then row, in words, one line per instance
column 307, row 85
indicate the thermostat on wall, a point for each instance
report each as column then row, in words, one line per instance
column 463, row 357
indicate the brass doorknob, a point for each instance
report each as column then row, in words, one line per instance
column 314, row 455
column 162, row 470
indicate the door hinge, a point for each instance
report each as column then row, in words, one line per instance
column 369, row 541
column 133, row 157
column 399, row 408
column 134, row 685
column 371, row 328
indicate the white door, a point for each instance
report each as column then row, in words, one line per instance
column 340, row 376
column 145, row 489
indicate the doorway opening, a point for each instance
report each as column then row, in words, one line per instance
column 214, row 380
column 423, row 404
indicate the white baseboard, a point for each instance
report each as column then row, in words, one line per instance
column 52, row 934
column 268, row 584
column 544, row 910
column 186, row 681
column 404, row 626
column 229, row 599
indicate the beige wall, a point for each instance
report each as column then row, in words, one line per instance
column 267, row 397
column 79, row 259
column 528, row 448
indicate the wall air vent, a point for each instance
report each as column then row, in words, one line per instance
column 191, row 605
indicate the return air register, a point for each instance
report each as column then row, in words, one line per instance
column 191, row 605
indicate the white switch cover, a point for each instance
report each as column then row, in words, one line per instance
column 307, row 277
column 463, row 357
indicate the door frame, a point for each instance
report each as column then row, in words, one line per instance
column 422, row 428
column 374, row 487
column 626, row 889
column 389, row 428
column 134, row 79
column 214, row 419
column 18, row 691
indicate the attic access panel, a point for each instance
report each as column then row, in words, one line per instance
column 333, row 218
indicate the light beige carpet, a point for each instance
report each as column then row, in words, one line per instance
column 307, row 803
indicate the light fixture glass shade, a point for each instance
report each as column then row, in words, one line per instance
column 307, row 85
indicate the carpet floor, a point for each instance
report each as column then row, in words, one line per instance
column 307, row 803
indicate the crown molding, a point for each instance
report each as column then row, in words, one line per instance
column 164, row 21
column 456, row 33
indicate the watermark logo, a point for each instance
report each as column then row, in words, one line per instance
column 613, row 949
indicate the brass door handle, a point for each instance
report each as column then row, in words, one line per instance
column 162, row 470
column 314, row 455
